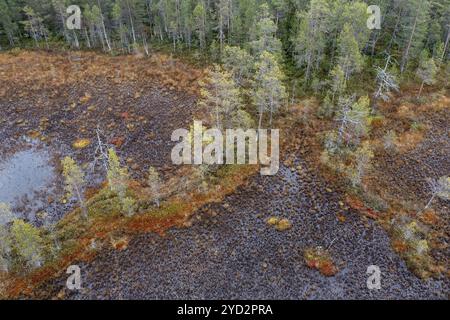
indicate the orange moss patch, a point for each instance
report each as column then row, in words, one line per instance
column 441, row 103
column 52, row 70
column 399, row 246
column 357, row 204
column 405, row 111
column 409, row 140
column 430, row 217
column 90, row 192
column 121, row 243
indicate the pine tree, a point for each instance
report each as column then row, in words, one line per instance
column 60, row 7
column 362, row 158
column 220, row 95
column 350, row 59
column 354, row 14
column 117, row 175
column 118, row 179
column 311, row 39
column 414, row 23
column 199, row 16
column 426, row 71
column 99, row 20
column 74, row 182
column 187, row 20
column 238, row 62
column 244, row 20
column 337, row 81
column 265, row 35
column 129, row 206
column 353, row 118
column 269, row 91
column 121, row 27
column 224, row 14
column 154, row 183
column 27, row 243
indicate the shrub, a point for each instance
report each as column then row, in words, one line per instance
column 389, row 140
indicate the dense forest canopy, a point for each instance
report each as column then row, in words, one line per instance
column 317, row 36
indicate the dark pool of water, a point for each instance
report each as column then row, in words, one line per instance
column 26, row 179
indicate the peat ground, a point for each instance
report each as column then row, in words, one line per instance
column 227, row 250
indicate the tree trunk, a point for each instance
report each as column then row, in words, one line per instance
column 429, row 202
column 63, row 22
column 77, row 43
column 82, row 204
column 446, row 43
column 394, row 33
column 88, row 41
column 103, row 27
column 133, row 33
column 260, row 118
column 421, row 88
column 406, row 54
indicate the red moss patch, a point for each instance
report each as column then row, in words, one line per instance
column 318, row 258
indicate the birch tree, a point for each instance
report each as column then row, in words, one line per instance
column 34, row 26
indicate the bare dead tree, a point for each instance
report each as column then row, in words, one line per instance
column 386, row 82
column 440, row 188
column 101, row 151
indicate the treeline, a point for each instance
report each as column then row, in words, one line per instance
column 311, row 32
